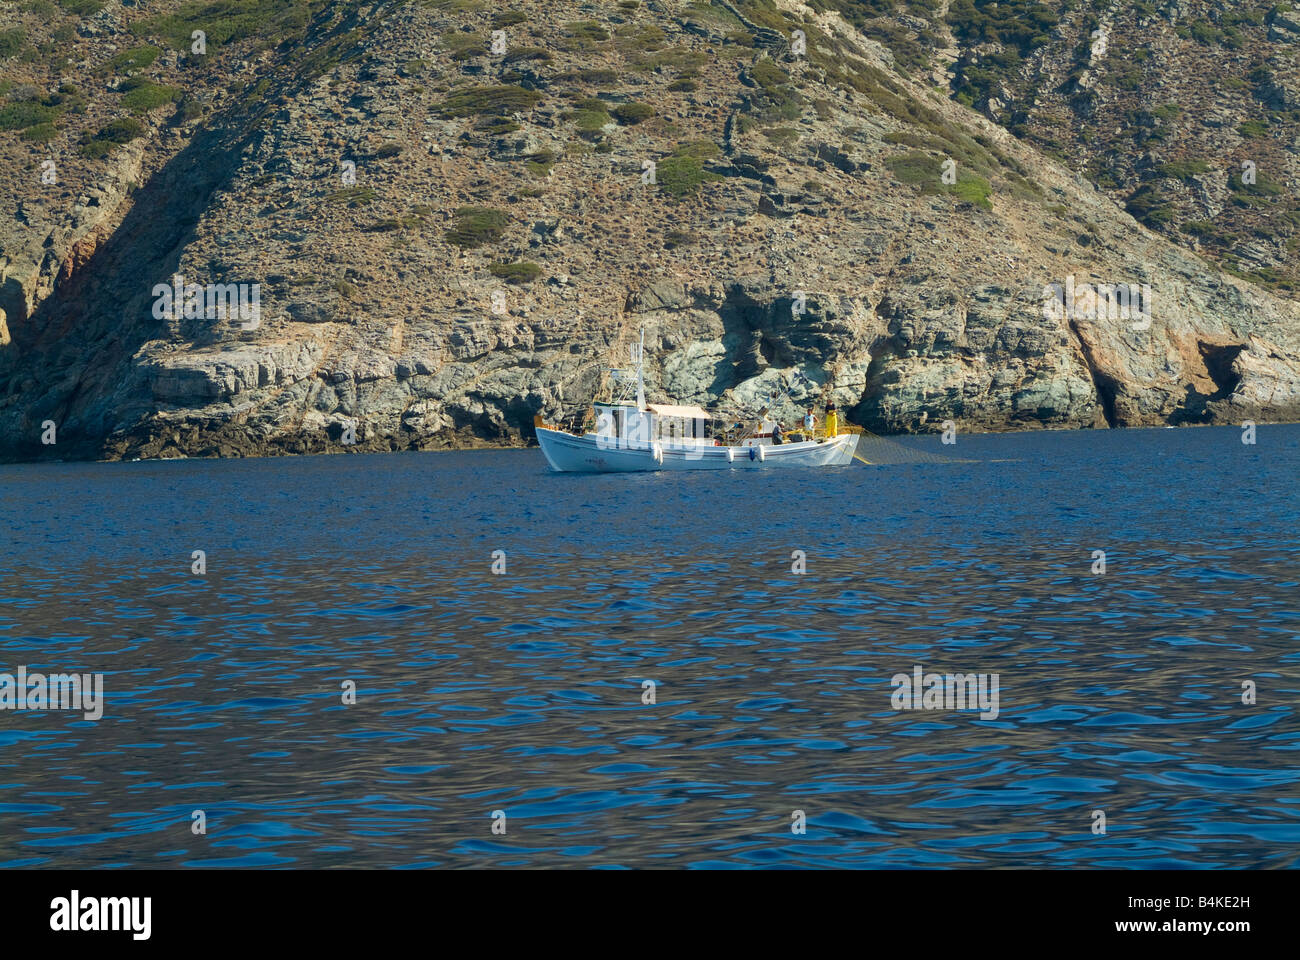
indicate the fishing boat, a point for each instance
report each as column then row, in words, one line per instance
column 629, row 435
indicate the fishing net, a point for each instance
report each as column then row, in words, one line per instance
column 882, row 451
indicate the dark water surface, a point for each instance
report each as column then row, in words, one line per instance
column 1119, row 692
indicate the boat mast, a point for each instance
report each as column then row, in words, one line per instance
column 640, row 379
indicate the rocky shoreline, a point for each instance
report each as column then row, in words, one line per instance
column 216, row 447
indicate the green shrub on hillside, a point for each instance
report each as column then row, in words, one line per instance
column 41, row 132
column 1149, row 205
column 586, row 30
column 590, row 115
column 135, row 59
column 26, row 113
column 227, row 21
column 141, row 96
column 476, row 226
column 682, row 176
column 12, row 42
column 633, row 112
column 925, row 172
column 973, row 189
column 777, row 96
column 682, row 173
column 496, row 126
column 1022, row 24
column 111, row 136
column 1019, row 27
column 700, row 149
column 1264, row 186
column 678, row 238
column 1183, row 169
column 522, row 272
column 539, row 164
column 345, row 289
column 522, row 54
column 465, row 46
column 352, row 196
column 634, row 39
column 768, row 75
column 495, row 101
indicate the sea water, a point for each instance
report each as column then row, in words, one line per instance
column 463, row 659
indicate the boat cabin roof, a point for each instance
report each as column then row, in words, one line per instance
column 672, row 410
column 660, row 409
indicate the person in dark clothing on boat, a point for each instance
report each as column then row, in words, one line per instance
column 778, row 436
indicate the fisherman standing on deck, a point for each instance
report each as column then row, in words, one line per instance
column 832, row 420
column 809, row 423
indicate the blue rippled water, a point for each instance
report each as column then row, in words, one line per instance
column 523, row 692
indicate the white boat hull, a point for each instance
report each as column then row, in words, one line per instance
column 567, row 453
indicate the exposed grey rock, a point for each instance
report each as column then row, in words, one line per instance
column 316, row 311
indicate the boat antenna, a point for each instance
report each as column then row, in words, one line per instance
column 640, row 379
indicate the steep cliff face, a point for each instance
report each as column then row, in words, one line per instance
column 457, row 217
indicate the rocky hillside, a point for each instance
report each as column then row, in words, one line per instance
column 1187, row 112
column 458, row 215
